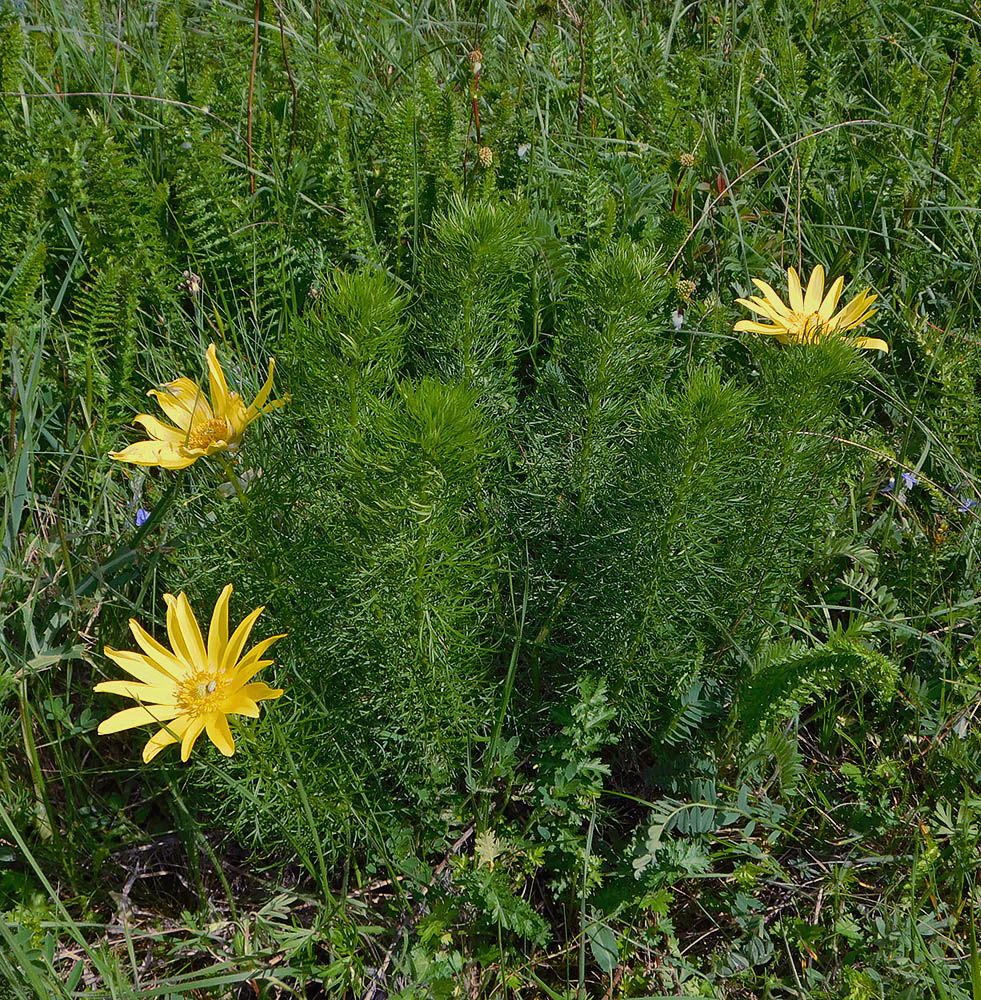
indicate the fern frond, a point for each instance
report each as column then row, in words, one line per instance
column 798, row 676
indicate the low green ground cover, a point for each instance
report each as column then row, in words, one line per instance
column 625, row 654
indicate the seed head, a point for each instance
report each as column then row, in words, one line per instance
column 687, row 160
column 475, row 58
column 686, row 289
column 485, row 155
column 191, row 283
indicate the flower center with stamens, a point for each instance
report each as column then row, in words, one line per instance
column 808, row 328
column 208, row 433
column 201, row 693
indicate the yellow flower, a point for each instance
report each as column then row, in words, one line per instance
column 190, row 687
column 202, row 428
column 811, row 315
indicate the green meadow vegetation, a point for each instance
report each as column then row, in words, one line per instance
column 626, row 655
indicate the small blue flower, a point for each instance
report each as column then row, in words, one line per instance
column 891, row 486
column 909, row 480
column 141, row 517
column 966, row 505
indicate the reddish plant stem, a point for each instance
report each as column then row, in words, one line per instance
column 476, row 112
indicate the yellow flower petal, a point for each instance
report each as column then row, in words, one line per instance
column 861, row 320
column 148, row 694
column 162, row 453
column 222, row 442
column 758, row 305
column 220, row 734
column 141, row 667
column 751, row 326
column 260, row 691
column 237, row 642
column 218, row 632
column 183, row 402
column 185, row 636
column 191, row 630
column 128, row 718
column 772, row 299
column 240, row 704
column 794, row 292
column 248, row 670
column 815, row 290
column 269, row 407
column 160, row 431
column 191, row 734
column 871, row 343
column 854, row 313
column 254, row 655
column 216, row 380
column 158, row 654
column 830, row 302
column 255, row 409
column 238, row 418
column 165, row 737
column 259, row 404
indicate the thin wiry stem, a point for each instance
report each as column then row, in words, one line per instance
column 255, row 59
column 232, row 478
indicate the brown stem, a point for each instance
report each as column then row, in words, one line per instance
column 476, row 112
column 473, row 105
column 474, row 116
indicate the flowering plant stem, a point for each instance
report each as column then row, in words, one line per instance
column 232, row 478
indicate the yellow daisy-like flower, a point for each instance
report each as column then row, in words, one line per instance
column 200, row 427
column 192, row 686
column 810, row 316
